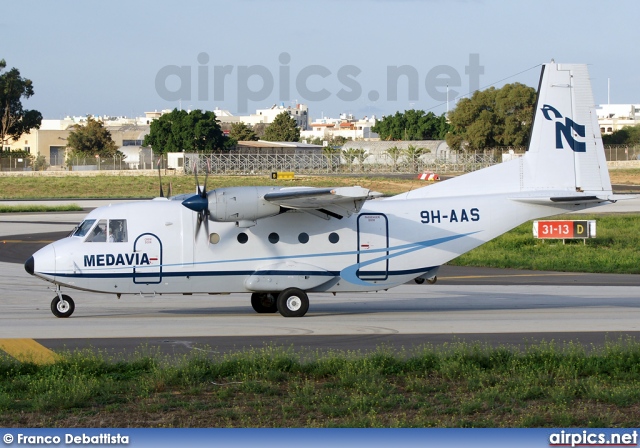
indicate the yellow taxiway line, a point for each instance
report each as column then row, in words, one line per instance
column 506, row 276
column 28, row 350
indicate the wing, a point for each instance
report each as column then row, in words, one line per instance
column 323, row 202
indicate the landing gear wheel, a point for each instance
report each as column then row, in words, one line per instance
column 419, row 280
column 64, row 307
column 264, row 302
column 432, row 280
column 293, row 302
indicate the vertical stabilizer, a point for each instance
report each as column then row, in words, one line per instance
column 565, row 150
column 565, row 157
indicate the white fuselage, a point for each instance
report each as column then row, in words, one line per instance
column 388, row 243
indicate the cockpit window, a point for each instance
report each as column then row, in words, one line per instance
column 117, row 230
column 84, row 227
column 99, row 233
column 114, row 232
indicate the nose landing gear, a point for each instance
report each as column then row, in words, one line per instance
column 62, row 305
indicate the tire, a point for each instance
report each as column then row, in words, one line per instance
column 419, row 280
column 64, row 307
column 432, row 280
column 264, row 302
column 293, row 302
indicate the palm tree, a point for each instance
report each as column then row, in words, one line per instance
column 394, row 154
column 330, row 152
column 349, row 156
column 413, row 154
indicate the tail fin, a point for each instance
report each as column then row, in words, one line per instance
column 565, row 150
column 565, row 157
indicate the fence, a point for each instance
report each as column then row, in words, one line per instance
column 263, row 164
column 10, row 162
column 236, row 163
column 57, row 163
column 615, row 153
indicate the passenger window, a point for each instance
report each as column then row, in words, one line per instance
column 99, row 233
column 117, row 230
column 84, row 227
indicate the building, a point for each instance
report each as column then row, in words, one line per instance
column 50, row 140
column 299, row 112
column 346, row 126
column 613, row 117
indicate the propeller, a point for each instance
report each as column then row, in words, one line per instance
column 199, row 202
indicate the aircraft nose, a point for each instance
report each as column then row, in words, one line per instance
column 43, row 263
column 29, row 265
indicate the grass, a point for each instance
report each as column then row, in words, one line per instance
column 459, row 385
column 124, row 186
column 39, row 208
column 614, row 250
column 113, row 186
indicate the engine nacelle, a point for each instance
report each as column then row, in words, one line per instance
column 240, row 204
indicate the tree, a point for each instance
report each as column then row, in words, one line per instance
column 283, row 129
column 412, row 125
column 338, row 140
column 413, row 153
column 91, row 139
column 14, row 119
column 242, row 132
column 259, row 129
column 182, row 131
column 332, row 155
column 493, row 117
column 394, row 154
column 628, row 135
column 352, row 154
column 201, row 132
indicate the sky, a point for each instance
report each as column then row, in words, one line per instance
column 364, row 57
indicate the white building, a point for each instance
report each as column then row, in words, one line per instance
column 346, row 126
column 613, row 117
column 299, row 112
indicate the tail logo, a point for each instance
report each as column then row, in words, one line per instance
column 564, row 129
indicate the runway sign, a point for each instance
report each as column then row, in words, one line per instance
column 564, row 230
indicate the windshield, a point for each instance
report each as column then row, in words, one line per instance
column 84, row 227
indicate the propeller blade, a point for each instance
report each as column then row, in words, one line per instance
column 199, row 202
column 195, row 173
column 203, row 216
column 160, row 178
column 198, row 223
column 206, row 176
column 206, row 223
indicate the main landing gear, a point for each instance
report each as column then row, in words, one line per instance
column 292, row 302
column 430, row 280
column 62, row 305
column 264, row 302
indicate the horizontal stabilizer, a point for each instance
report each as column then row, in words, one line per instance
column 577, row 199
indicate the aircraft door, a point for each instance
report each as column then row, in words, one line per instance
column 373, row 244
column 148, row 259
